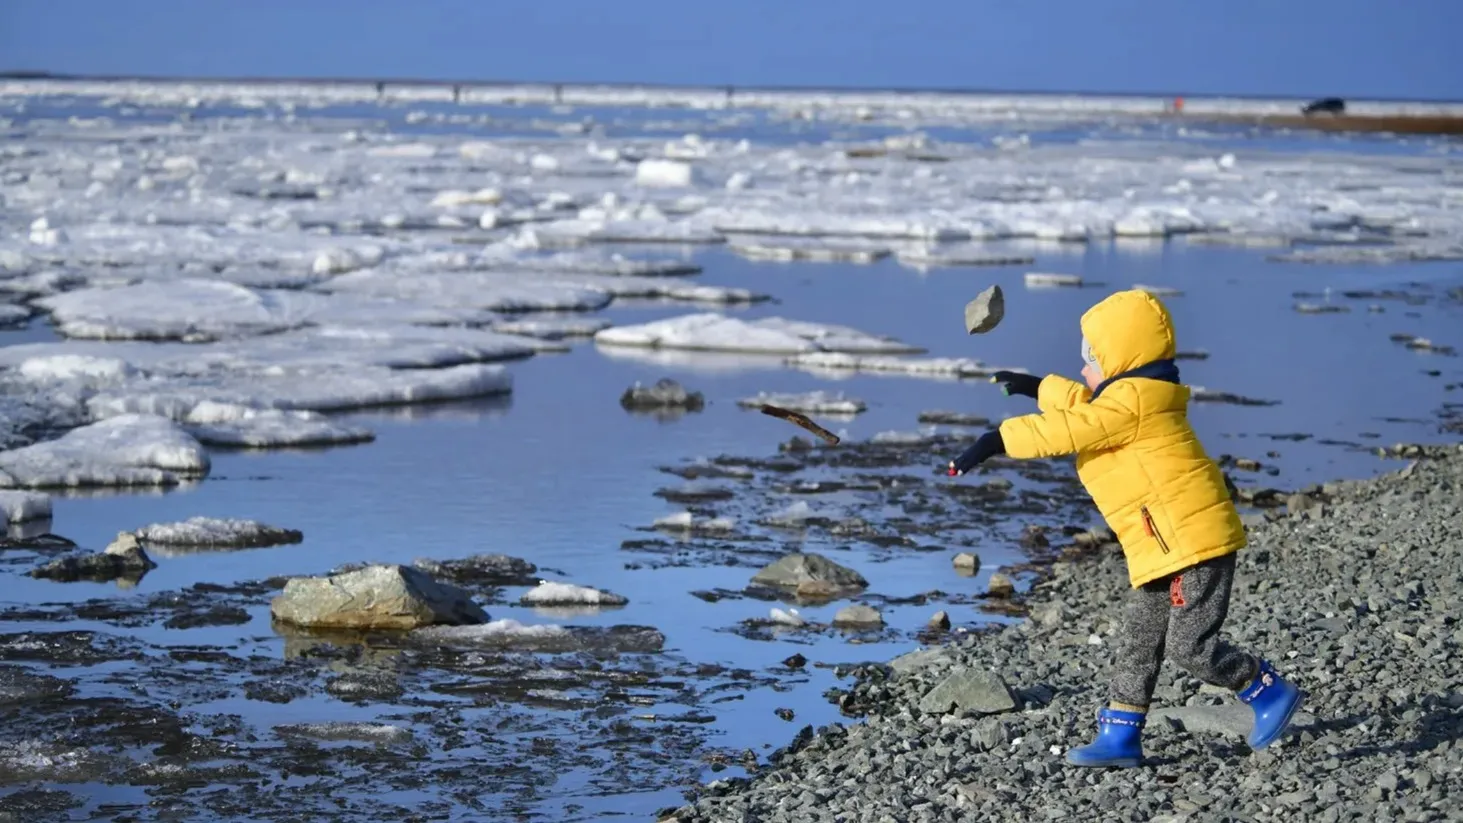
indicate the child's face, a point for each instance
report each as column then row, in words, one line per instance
column 1092, row 375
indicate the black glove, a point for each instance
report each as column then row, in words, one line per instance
column 989, row 445
column 1014, row 382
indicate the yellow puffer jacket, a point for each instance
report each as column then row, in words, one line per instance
column 1136, row 453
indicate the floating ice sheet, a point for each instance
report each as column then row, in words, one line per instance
column 201, row 310
column 127, row 450
column 239, row 426
column 817, row 402
column 934, row 367
column 19, row 507
column 215, row 532
column 771, row 335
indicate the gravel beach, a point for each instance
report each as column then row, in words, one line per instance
column 1352, row 591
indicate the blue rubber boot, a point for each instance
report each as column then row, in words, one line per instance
column 1117, row 744
column 1274, row 701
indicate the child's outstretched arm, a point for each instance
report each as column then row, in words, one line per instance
column 1105, row 423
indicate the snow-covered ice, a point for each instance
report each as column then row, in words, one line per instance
column 235, row 425
column 818, row 251
column 127, row 450
column 815, row 402
column 935, row 367
column 770, row 335
column 551, row 593
column 19, row 506
column 685, row 521
column 201, row 310
column 215, row 532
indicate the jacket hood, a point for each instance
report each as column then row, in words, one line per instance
column 1128, row 329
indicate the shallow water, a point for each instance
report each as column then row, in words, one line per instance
column 560, row 475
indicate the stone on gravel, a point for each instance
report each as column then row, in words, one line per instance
column 940, row 621
column 858, row 616
column 793, row 570
column 1231, row 719
column 375, row 597
column 970, row 690
column 985, row 312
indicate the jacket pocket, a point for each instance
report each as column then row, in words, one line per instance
column 1152, row 529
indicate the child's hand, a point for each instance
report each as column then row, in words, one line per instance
column 1014, row 382
column 989, row 445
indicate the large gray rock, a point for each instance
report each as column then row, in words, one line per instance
column 794, row 570
column 985, row 312
column 971, row 690
column 1229, row 720
column 375, row 597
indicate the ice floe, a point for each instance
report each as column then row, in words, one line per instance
column 819, row 251
column 685, row 521
column 934, row 367
column 201, row 310
column 771, row 335
column 551, row 593
column 20, row 507
column 127, row 450
column 214, row 532
column 816, row 402
column 235, row 425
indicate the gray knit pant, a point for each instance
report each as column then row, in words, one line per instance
column 1182, row 614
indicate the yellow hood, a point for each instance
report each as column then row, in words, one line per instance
column 1128, row 329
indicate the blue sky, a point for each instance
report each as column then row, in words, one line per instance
column 1355, row 48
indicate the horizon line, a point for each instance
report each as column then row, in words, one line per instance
column 37, row 74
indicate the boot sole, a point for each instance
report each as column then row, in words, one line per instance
column 1300, row 697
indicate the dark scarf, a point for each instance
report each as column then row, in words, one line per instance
column 1165, row 370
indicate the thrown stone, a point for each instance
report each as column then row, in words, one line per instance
column 970, row 690
column 985, row 312
column 967, row 564
column 375, row 597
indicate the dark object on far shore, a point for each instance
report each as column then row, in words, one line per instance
column 1326, row 105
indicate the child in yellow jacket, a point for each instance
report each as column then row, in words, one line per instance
column 1167, row 503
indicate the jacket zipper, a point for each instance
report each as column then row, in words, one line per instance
column 1152, row 529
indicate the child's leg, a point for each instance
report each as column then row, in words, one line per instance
column 1140, row 649
column 1135, row 671
column 1200, row 599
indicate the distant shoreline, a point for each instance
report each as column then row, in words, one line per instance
column 420, row 82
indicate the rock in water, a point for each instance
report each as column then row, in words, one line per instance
column 375, row 597
column 985, row 312
column 971, row 690
column 666, row 394
column 795, row 569
column 858, row 616
column 123, row 559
